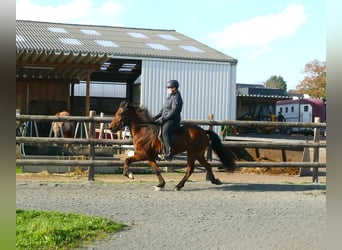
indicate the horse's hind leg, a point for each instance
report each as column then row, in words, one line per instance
column 207, row 166
column 156, row 169
column 189, row 170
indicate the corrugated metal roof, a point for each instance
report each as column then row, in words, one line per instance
column 247, row 91
column 44, row 46
column 99, row 40
column 265, row 96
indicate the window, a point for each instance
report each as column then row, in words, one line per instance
column 167, row 37
column 286, row 109
column 306, row 108
column 90, row 32
column 292, row 109
column 157, row 46
column 57, row 30
column 101, row 89
column 67, row 40
column 137, row 35
column 106, row 43
column 191, row 48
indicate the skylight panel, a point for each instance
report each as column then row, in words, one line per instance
column 191, row 48
column 127, row 67
column 72, row 41
column 57, row 30
column 106, row 43
column 90, row 32
column 137, row 35
column 167, row 37
column 19, row 38
column 157, row 46
column 105, row 66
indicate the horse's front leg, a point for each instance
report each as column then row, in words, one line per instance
column 156, row 169
column 126, row 171
column 138, row 156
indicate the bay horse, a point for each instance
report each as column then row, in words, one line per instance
column 190, row 138
column 64, row 129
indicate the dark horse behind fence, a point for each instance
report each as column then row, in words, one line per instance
column 190, row 138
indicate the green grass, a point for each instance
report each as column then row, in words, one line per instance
column 55, row 230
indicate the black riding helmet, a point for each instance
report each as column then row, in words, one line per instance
column 172, row 84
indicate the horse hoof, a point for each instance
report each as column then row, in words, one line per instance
column 156, row 188
column 176, row 189
column 130, row 176
column 218, row 182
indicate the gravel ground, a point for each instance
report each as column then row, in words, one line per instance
column 200, row 216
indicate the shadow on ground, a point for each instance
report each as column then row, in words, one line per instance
column 263, row 187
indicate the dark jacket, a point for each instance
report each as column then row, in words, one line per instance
column 172, row 108
column 281, row 118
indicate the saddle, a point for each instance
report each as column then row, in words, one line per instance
column 158, row 131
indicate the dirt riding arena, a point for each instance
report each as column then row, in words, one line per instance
column 248, row 211
column 253, row 208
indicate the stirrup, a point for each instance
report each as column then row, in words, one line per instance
column 168, row 158
column 161, row 157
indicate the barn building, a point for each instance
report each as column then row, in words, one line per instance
column 86, row 67
column 251, row 96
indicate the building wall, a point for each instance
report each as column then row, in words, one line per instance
column 206, row 87
column 41, row 98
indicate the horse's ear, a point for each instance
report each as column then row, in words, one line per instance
column 123, row 104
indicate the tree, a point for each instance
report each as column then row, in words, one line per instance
column 276, row 82
column 314, row 84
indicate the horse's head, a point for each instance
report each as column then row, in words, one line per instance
column 129, row 115
column 119, row 119
column 60, row 127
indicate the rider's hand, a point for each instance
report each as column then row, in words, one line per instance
column 159, row 121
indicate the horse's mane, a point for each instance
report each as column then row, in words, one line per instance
column 142, row 113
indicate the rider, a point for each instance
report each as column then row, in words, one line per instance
column 169, row 116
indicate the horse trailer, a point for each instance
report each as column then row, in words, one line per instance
column 301, row 110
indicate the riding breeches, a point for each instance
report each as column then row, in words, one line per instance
column 168, row 129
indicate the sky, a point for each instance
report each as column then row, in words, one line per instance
column 267, row 37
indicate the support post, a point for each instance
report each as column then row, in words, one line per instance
column 316, row 151
column 87, row 104
column 101, row 133
column 91, row 147
column 283, row 154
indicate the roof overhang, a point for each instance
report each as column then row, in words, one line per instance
column 56, row 65
column 73, row 67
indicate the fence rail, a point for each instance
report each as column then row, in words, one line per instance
column 98, row 119
column 110, row 163
column 92, row 141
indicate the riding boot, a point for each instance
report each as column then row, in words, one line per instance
column 168, row 155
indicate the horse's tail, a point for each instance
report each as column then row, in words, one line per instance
column 225, row 156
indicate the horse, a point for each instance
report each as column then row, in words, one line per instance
column 147, row 145
column 63, row 128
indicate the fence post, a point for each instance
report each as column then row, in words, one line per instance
column 91, row 135
column 306, row 158
column 101, row 133
column 316, row 151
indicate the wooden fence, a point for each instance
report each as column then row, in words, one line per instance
column 91, row 142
